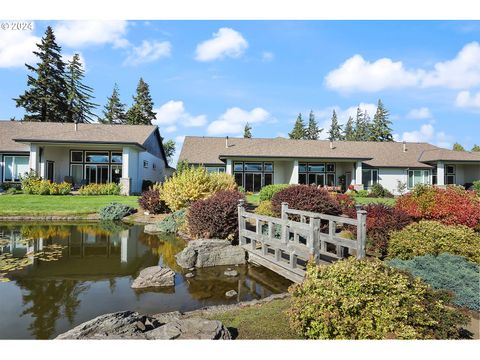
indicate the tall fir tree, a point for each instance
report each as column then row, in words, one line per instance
column 46, row 97
column 298, row 132
column 79, row 95
column 312, row 131
column 335, row 132
column 361, row 125
column 141, row 112
column 114, row 111
column 475, row 147
column 380, row 129
column 458, row 147
column 247, row 131
column 169, row 148
column 349, row 131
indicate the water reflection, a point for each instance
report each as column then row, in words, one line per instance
column 93, row 275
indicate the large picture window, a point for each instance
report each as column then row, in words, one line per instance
column 215, row 169
column 369, row 177
column 14, row 167
column 316, row 174
column 416, row 177
column 252, row 176
column 98, row 167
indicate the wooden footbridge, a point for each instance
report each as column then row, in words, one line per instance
column 284, row 245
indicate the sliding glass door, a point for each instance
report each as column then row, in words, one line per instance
column 97, row 174
column 253, row 182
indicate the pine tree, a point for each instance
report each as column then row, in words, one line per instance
column 114, row 112
column 458, row 147
column 476, row 147
column 349, row 132
column 380, row 128
column 247, row 131
column 335, row 132
column 312, row 131
column 361, row 125
column 141, row 112
column 46, row 98
column 78, row 94
column 298, row 132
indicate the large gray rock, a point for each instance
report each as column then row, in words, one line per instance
column 210, row 252
column 154, row 276
column 132, row 325
column 151, row 229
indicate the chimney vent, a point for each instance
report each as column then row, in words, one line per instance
column 226, row 142
column 404, row 146
column 331, row 144
column 76, row 126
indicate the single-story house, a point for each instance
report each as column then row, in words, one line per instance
column 82, row 153
column 258, row 162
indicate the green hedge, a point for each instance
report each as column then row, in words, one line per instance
column 267, row 192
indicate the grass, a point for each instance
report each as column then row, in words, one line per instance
column 253, row 199
column 367, row 200
column 31, row 205
column 263, row 321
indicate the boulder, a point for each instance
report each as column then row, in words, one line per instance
column 154, row 276
column 151, row 229
column 210, row 252
column 132, row 325
column 231, row 273
column 230, row 293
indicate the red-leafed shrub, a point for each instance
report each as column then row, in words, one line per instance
column 307, row 198
column 151, row 202
column 216, row 216
column 450, row 206
column 346, row 202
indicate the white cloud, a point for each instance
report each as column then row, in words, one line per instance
column 79, row 33
column 465, row 99
column 172, row 114
column 358, row 74
column 426, row 133
column 267, row 56
column 148, row 51
column 16, row 48
column 419, row 114
column 232, row 121
column 225, row 43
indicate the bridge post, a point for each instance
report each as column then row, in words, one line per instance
column 241, row 221
column 285, row 231
column 284, row 211
column 316, row 246
column 361, row 233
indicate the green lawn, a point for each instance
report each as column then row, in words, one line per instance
column 253, row 199
column 367, row 200
column 58, row 205
column 264, row 321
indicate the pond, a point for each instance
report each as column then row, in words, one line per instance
column 56, row 276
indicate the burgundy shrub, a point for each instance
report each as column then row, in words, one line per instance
column 151, row 202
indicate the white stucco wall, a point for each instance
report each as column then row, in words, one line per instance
column 154, row 175
column 282, row 172
column 388, row 178
column 471, row 172
column 61, row 157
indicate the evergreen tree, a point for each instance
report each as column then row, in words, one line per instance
column 114, row 112
column 169, row 148
column 141, row 112
column 458, row 147
column 312, row 132
column 78, row 94
column 476, row 147
column 349, row 132
column 380, row 128
column 361, row 125
column 247, row 131
column 46, row 98
column 298, row 132
column 335, row 132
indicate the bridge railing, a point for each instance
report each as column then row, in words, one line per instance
column 300, row 234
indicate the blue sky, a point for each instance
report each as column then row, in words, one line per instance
column 210, row 77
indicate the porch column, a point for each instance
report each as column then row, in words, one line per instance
column 440, row 173
column 34, row 158
column 228, row 169
column 126, row 180
column 358, row 175
column 294, row 176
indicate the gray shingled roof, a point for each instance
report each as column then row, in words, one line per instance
column 211, row 150
column 449, row 155
column 13, row 133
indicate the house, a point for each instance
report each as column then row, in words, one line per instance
column 83, row 153
column 259, row 162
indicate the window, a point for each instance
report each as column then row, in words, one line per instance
column 316, row 174
column 14, row 167
column 252, row 175
column 369, row 177
column 76, row 172
column 96, row 157
column 239, row 178
column 302, row 168
column 450, row 174
column 434, row 176
column 418, row 177
column 268, row 167
column 316, row 167
column 154, row 166
column 253, row 166
column 238, row 166
column 330, row 167
column 330, row 179
column 215, row 169
column 116, row 173
column 145, row 164
column 76, row 156
column 117, row 158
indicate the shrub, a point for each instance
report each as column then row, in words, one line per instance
column 146, row 184
column 115, row 211
column 11, row 191
column 265, row 208
column 307, row 198
column 362, row 193
column 346, row 202
column 100, row 189
column 192, row 184
column 378, row 191
column 365, row 299
column 151, row 202
column 450, row 206
column 172, row 222
column 449, row 272
column 432, row 237
column 267, row 192
column 34, row 184
column 476, row 186
column 215, row 217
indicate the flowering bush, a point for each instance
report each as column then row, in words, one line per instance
column 451, row 206
column 34, row 184
column 216, row 216
column 365, row 299
column 100, row 189
column 151, row 202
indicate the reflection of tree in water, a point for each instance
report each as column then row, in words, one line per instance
column 165, row 246
column 48, row 301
